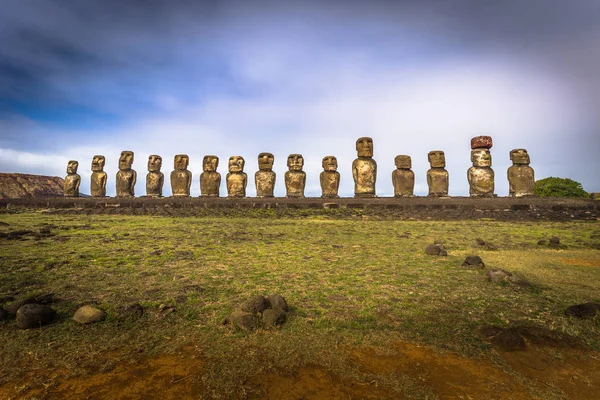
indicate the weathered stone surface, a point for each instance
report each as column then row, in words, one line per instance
column 521, row 177
column 210, row 179
column 131, row 312
column 3, row 314
column 329, row 178
column 542, row 242
column 278, row 301
column 481, row 175
column 181, row 178
column 98, row 178
column 473, row 261
column 243, row 320
column 13, row 307
column 403, row 179
column 432, row 250
column 584, row 311
column 295, row 178
column 437, row 176
column 481, row 142
column 126, row 177
column 498, row 275
column 154, row 179
column 88, row 314
column 272, row 317
column 264, row 178
column 255, row 305
column 364, row 169
column 34, row 315
column 554, row 241
column 236, row 178
column 72, row 180
column 26, row 185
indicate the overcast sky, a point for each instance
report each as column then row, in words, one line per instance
column 79, row 78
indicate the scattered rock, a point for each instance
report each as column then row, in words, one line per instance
column 88, row 314
column 272, row 317
column 243, row 320
column 131, row 312
column 542, row 242
column 432, row 250
column 13, row 307
column 554, row 241
column 584, row 311
column 473, row 261
column 438, row 241
column 255, row 305
column 278, row 301
column 3, row 314
column 498, row 275
column 480, row 242
column 443, row 252
column 34, row 315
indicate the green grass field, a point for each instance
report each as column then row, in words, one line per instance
column 351, row 283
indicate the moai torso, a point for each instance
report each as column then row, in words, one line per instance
column 481, row 175
column 236, row 178
column 521, row 178
column 181, row 178
column 437, row 176
column 72, row 180
column 210, row 179
column 126, row 177
column 329, row 178
column 295, row 178
column 265, row 177
column 403, row 178
column 364, row 169
column 98, row 178
column 154, row 179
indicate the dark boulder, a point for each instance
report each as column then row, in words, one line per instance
column 34, row 315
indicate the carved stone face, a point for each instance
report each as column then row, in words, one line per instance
column 364, row 147
column 295, row 162
column 154, row 163
column 210, row 163
column 126, row 160
column 72, row 167
column 481, row 158
column 519, row 156
column 181, row 161
column 403, row 162
column 265, row 161
column 98, row 163
column 330, row 164
column 236, row 164
column 437, row 159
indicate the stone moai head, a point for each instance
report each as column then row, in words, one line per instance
column 519, row 156
column 236, row 164
column 126, row 160
column 98, row 163
column 154, row 163
column 210, row 163
column 437, row 159
column 72, row 167
column 364, row 147
column 265, row 161
column 403, row 162
column 295, row 162
column 330, row 164
column 181, row 161
column 481, row 157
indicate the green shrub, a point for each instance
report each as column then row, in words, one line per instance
column 559, row 187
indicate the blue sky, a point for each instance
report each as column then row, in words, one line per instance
column 79, row 78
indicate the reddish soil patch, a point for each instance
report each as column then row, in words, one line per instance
column 581, row 262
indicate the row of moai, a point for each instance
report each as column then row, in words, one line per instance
column 364, row 173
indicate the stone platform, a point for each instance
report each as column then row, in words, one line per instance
column 420, row 208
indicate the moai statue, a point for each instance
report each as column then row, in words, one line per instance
column 72, row 180
column 181, row 178
column 98, row 179
column 364, row 169
column 295, row 178
column 403, row 178
column 520, row 175
column 126, row 177
column 236, row 178
column 437, row 176
column 155, row 178
column 265, row 177
column 210, row 179
column 330, row 178
column 481, row 175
